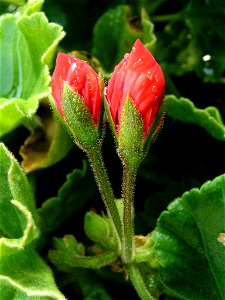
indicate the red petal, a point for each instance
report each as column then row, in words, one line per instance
column 63, row 63
column 114, row 91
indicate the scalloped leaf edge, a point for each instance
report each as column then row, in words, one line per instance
column 184, row 110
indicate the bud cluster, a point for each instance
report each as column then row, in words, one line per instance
column 133, row 98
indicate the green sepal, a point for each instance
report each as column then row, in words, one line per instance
column 155, row 129
column 130, row 146
column 79, row 119
column 101, row 124
column 57, row 114
column 100, row 230
column 109, row 117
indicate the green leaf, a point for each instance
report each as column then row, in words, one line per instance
column 148, row 36
column 183, row 109
column 15, row 2
column 13, row 112
column 23, row 274
column 68, row 253
column 71, row 196
column 16, row 199
column 187, row 246
column 36, row 28
column 30, row 7
column 28, row 43
column 116, row 27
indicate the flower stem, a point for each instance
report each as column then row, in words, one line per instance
column 129, row 176
column 101, row 177
column 139, row 283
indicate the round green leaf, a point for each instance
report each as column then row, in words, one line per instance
column 190, row 255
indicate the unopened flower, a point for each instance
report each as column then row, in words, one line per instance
column 77, row 99
column 140, row 78
column 81, row 78
column 134, row 97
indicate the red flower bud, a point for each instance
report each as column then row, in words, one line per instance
column 139, row 77
column 81, row 78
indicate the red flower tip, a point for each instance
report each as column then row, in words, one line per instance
column 140, row 77
column 83, row 80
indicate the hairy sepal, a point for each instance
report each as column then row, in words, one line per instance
column 109, row 117
column 155, row 129
column 130, row 141
column 79, row 119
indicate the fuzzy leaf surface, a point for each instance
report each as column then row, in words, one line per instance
column 187, row 244
column 23, row 274
column 27, row 45
column 14, row 186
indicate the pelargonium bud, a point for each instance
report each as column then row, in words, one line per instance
column 82, row 79
column 139, row 77
column 134, row 96
column 77, row 98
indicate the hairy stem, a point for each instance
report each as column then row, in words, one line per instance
column 139, row 283
column 129, row 176
column 101, row 177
